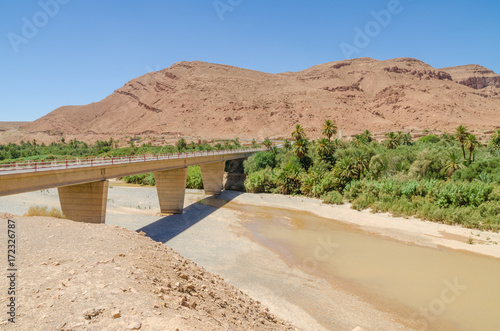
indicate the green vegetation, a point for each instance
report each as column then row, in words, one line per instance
column 451, row 178
column 32, row 151
column 193, row 180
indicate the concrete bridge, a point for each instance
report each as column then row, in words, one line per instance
column 83, row 183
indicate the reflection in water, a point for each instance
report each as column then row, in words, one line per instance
column 444, row 289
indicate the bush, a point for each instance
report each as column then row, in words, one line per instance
column 262, row 181
column 259, row 161
column 430, row 139
column 463, row 194
column 142, row 179
column 194, row 179
column 333, row 198
column 44, row 211
column 289, row 178
column 363, row 201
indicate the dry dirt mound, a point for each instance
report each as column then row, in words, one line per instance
column 75, row 276
column 212, row 100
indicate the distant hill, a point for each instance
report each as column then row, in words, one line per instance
column 213, row 100
column 5, row 126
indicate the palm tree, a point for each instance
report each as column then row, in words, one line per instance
column 286, row 144
column 359, row 139
column 360, row 163
column 236, row 142
column 393, row 140
column 453, row 164
column 495, row 140
column 461, row 134
column 345, row 169
column 325, row 149
column 181, row 144
column 301, row 147
column 299, row 132
column 329, row 129
column 471, row 143
column 368, row 136
column 406, row 139
column 268, row 144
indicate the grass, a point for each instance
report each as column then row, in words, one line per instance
column 44, row 211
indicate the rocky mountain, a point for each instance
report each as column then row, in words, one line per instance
column 213, row 100
column 475, row 76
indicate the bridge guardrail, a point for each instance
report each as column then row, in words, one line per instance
column 94, row 162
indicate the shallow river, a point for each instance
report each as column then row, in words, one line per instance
column 440, row 289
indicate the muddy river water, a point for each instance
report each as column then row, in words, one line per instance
column 440, row 289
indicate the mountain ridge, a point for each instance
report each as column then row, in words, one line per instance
column 213, row 100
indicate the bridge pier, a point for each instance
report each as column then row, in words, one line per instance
column 171, row 188
column 213, row 176
column 85, row 202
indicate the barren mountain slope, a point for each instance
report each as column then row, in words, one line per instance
column 477, row 77
column 4, row 126
column 212, row 100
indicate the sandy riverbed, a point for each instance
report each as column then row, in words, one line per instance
column 217, row 239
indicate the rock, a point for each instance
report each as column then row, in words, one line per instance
column 182, row 301
column 92, row 313
column 116, row 314
column 135, row 326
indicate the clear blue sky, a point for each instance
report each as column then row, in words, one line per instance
column 85, row 49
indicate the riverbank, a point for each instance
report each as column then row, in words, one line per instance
column 409, row 230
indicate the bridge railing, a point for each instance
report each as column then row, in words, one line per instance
column 31, row 166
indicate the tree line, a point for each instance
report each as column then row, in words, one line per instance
column 451, row 178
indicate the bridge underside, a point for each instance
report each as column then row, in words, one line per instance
column 87, row 202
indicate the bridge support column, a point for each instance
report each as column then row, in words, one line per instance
column 85, row 202
column 171, row 188
column 213, row 176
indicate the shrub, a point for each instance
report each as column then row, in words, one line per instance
column 333, row 198
column 429, row 139
column 327, row 183
column 262, row 181
column 142, row 179
column 44, row 211
column 194, row 179
column 463, row 194
column 259, row 161
column 363, row 201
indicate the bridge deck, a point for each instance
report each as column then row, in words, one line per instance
column 26, row 177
